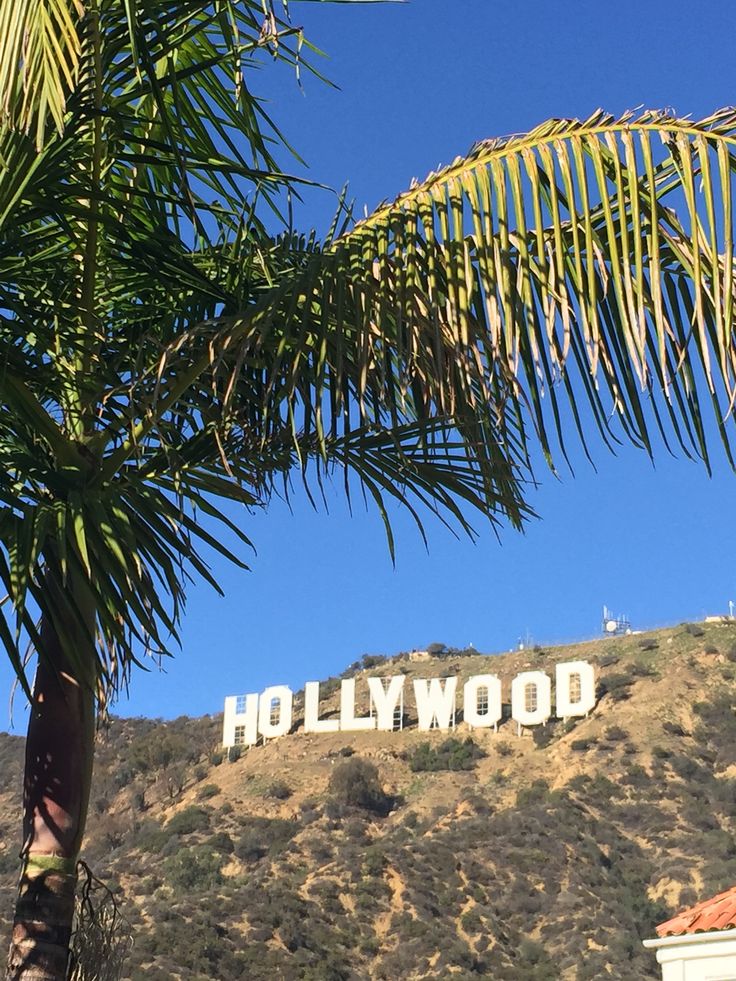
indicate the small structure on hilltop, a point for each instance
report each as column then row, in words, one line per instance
column 699, row 944
column 614, row 626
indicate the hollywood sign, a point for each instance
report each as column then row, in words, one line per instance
column 251, row 718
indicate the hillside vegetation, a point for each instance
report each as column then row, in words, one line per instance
column 423, row 855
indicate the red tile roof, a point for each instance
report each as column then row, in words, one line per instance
column 718, row 913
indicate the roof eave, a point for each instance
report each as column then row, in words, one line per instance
column 708, row 936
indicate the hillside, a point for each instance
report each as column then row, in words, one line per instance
column 551, row 856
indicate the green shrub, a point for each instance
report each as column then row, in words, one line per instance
column 543, row 735
column 209, row 790
column 194, row 868
column 648, row 644
column 138, row 798
column 615, row 734
column 221, row 842
column 151, row 837
column 278, row 790
column 644, row 671
column 580, row 745
column 264, row 836
column 535, row 793
column 161, row 747
column 355, row 783
column 673, row 728
column 189, row 820
column 176, row 778
column 452, row 754
column 694, row 630
column 374, row 861
column 617, row 685
column 636, row 776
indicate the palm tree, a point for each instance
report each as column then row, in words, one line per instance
column 163, row 356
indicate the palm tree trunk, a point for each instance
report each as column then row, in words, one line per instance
column 58, row 772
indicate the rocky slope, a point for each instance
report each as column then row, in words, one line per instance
column 545, row 856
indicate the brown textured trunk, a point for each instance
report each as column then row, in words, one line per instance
column 58, row 771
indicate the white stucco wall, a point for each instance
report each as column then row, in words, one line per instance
column 697, row 956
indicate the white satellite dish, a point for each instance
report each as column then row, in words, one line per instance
column 611, row 626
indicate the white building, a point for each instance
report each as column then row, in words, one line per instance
column 699, row 944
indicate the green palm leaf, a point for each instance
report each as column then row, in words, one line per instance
column 43, row 40
column 583, row 260
column 163, row 358
column 164, row 353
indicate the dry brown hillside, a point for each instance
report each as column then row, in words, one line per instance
column 545, row 856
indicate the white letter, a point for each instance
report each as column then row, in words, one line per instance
column 348, row 721
column 531, row 698
column 489, row 686
column 435, row 703
column 575, row 684
column 312, row 721
column 269, row 727
column 386, row 700
column 240, row 724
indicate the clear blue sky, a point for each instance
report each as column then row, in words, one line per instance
column 419, row 83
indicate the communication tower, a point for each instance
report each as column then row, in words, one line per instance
column 613, row 626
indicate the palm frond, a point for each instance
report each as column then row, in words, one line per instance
column 584, row 261
column 161, row 354
column 40, row 54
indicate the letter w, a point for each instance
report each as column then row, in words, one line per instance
column 435, row 702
